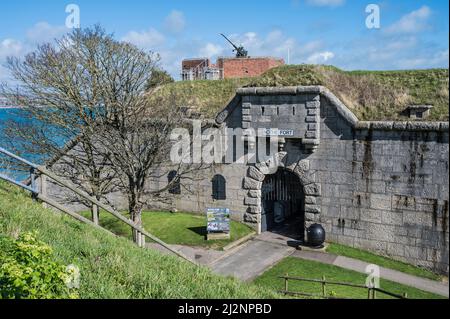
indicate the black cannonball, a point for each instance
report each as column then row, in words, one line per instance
column 316, row 235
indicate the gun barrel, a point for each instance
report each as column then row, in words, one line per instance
column 230, row 41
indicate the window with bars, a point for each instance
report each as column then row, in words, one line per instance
column 219, row 187
column 174, row 179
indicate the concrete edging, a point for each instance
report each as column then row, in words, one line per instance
column 238, row 242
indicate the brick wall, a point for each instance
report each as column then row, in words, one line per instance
column 246, row 67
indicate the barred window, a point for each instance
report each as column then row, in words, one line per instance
column 175, row 187
column 219, row 187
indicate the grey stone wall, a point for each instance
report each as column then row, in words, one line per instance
column 196, row 194
column 385, row 190
column 381, row 186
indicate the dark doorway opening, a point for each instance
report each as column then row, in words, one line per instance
column 283, row 205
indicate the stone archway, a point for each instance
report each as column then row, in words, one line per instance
column 256, row 175
column 283, row 203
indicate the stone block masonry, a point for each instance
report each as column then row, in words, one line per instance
column 380, row 186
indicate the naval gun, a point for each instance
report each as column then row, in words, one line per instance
column 240, row 51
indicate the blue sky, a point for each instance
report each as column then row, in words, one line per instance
column 412, row 34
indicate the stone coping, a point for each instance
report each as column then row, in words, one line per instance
column 419, row 107
column 340, row 107
column 249, row 58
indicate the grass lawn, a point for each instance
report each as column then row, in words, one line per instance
column 386, row 262
column 314, row 270
column 113, row 267
column 175, row 228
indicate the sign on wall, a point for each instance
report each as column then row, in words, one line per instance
column 275, row 132
column 218, row 223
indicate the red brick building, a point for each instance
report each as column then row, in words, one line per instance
column 246, row 67
column 227, row 67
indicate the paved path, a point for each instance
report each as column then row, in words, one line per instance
column 436, row 287
column 251, row 260
column 255, row 256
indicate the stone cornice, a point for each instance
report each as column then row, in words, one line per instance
column 340, row 108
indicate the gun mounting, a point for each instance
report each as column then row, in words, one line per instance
column 240, row 51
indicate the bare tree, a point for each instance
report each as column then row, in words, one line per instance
column 59, row 89
column 89, row 88
column 139, row 146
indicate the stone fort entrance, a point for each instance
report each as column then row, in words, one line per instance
column 282, row 185
column 375, row 185
column 283, row 204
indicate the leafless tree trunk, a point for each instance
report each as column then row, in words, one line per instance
column 91, row 89
column 59, row 87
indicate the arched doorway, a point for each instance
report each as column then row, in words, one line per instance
column 283, row 205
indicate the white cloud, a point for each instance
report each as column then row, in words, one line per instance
column 310, row 47
column 438, row 59
column 254, row 43
column 278, row 44
column 210, row 50
column 413, row 22
column 320, row 57
column 45, row 32
column 10, row 47
column 378, row 52
column 40, row 32
column 149, row 39
column 175, row 22
column 4, row 75
column 401, row 44
column 325, row 3
column 274, row 36
column 398, row 47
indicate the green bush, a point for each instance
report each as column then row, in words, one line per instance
column 28, row 271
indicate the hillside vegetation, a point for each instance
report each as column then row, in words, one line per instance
column 113, row 267
column 371, row 95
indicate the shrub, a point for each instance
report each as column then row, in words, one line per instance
column 28, row 271
column 158, row 78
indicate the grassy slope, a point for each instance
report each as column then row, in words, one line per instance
column 208, row 97
column 372, row 95
column 310, row 269
column 380, row 261
column 114, row 267
column 175, row 228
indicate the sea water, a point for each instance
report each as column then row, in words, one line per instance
column 17, row 115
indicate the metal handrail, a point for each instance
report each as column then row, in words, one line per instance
column 20, row 159
column 17, row 183
column 35, row 193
